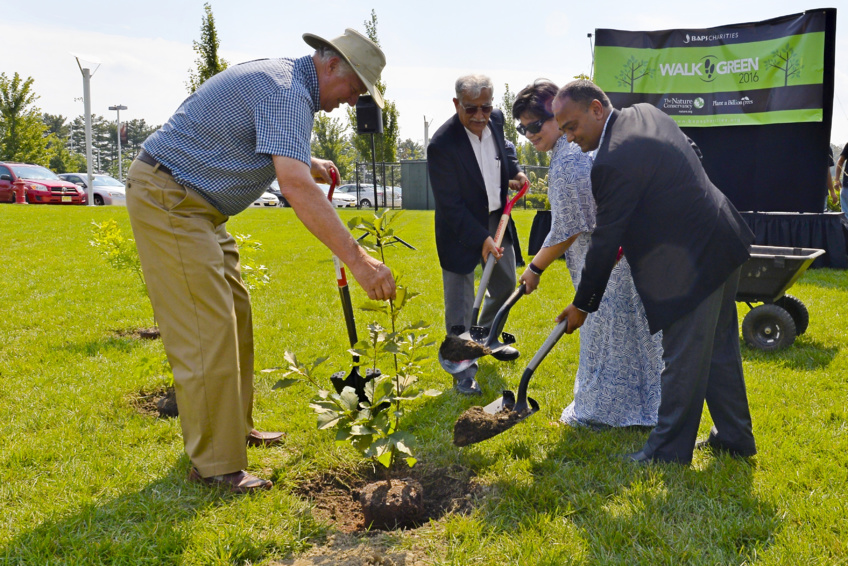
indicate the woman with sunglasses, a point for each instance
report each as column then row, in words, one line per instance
column 618, row 376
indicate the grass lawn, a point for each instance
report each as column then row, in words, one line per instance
column 85, row 478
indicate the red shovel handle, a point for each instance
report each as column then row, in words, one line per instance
column 513, row 200
column 499, row 233
column 335, row 181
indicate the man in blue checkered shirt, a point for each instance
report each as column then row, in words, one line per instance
column 226, row 143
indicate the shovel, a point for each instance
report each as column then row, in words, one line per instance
column 354, row 378
column 480, row 341
column 502, row 414
column 490, row 261
column 475, row 330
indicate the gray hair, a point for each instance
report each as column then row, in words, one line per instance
column 326, row 53
column 472, row 86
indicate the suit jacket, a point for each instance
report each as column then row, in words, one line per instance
column 462, row 205
column 682, row 237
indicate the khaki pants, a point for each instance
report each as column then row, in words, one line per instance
column 191, row 267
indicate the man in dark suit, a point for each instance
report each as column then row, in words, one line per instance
column 470, row 174
column 685, row 243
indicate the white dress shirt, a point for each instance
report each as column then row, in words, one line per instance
column 490, row 164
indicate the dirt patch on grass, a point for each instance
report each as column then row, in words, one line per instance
column 334, row 496
column 161, row 403
column 151, row 333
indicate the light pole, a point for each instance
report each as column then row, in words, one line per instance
column 119, row 107
column 87, row 73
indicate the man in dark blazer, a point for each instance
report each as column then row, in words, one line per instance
column 470, row 173
column 685, row 243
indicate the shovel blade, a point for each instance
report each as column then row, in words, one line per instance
column 454, row 368
column 354, row 380
column 507, row 402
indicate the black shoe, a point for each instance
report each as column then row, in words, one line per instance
column 639, row 458
column 719, row 447
column 506, row 354
column 467, row 386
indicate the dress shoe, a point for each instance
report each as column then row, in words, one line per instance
column 639, row 458
column 506, row 354
column 236, row 482
column 719, row 447
column 264, row 439
column 467, row 386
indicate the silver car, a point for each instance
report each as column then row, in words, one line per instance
column 106, row 190
column 393, row 195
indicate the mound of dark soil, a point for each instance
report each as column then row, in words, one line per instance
column 392, row 504
column 476, row 425
column 335, row 496
column 456, row 349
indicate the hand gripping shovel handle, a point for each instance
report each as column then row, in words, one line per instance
column 490, row 264
column 550, row 342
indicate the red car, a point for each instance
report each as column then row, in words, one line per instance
column 42, row 186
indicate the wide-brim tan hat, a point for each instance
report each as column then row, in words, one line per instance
column 362, row 54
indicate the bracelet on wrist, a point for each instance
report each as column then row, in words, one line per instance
column 535, row 268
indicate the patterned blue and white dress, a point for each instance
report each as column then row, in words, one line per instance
column 618, row 378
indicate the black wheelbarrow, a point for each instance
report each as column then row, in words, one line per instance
column 765, row 277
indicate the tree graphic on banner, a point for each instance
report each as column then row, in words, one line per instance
column 786, row 60
column 632, row 71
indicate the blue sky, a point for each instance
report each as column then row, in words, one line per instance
column 145, row 48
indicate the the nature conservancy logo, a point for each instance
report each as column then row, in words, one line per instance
column 699, row 103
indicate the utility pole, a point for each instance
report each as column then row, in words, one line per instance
column 119, row 107
column 87, row 73
column 426, row 134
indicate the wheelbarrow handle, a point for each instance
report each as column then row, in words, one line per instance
column 550, row 342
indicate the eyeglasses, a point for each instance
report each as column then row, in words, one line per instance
column 532, row 127
column 486, row 108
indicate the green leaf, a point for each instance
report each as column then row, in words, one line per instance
column 362, row 443
column 375, row 306
column 349, row 398
column 327, row 420
column 432, row 393
column 290, row 358
column 410, row 461
column 319, row 361
column 360, row 430
column 324, row 406
column 385, row 459
column 283, row 383
column 343, row 433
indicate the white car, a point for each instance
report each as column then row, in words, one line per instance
column 366, row 195
column 106, row 190
column 267, row 199
column 340, row 199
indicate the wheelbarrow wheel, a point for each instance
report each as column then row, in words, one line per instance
column 797, row 310
column 768, row 328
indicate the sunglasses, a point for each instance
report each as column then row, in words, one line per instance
column 532, row 127
column 486, row 108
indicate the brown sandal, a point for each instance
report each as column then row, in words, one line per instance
column 235, row 482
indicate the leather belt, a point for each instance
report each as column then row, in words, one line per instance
column 145, row 157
